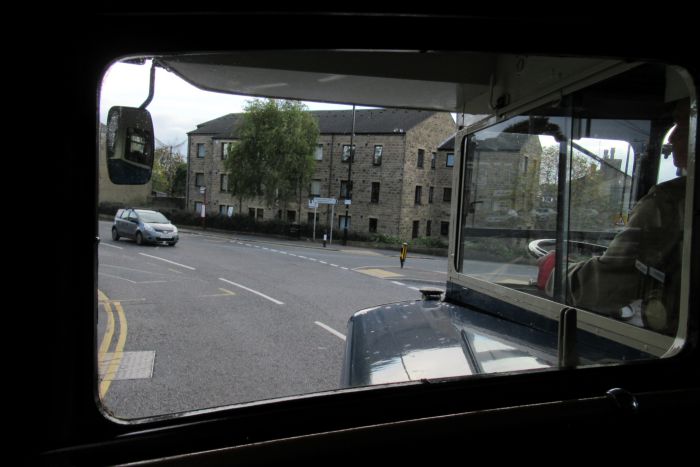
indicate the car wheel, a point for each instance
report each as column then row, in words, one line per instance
column 115, row 234
column 139, row 238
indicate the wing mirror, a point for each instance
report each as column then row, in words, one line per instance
column 130, row 145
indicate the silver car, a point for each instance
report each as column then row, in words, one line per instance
column 144, row 226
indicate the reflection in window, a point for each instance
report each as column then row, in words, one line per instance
column 556, row 205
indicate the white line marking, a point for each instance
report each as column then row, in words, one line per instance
column 397, row 283
column 343, row 267
column 415, row 288
column 322, row 262
column 111, row 246
column 168, row 261
column 252, row 291
column 330, row 329
column 334, row 265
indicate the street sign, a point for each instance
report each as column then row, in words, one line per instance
column 325, row 201
column 313, row 204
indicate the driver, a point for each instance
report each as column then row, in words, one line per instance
column 640, row 270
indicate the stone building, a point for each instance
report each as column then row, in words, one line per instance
column 398, row 174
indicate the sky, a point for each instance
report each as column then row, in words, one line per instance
column 177, row 107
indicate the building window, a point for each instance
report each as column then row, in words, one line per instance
column 444, row 228
column 201, row 150
column 416, row 228
column 447, row 194
column 430, row 194
column 375, row 192
column 450, row 160
column 428, row 226
column 315, row 189
column 433, row 158
column 223, row 178
column 345, row 189
column 260, row 213
column 199, row 179
column 251, row 213
column 377, row 160
column 419, row 194
column 198, row 208
column 318, row 153
column 225, row 148
column 421, row 157
column 291, row 216
column 372, row 225
column 342, row 222
column 225, row 210
column 346, row 153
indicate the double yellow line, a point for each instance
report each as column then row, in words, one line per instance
column 113, row 363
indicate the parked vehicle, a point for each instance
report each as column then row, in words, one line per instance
column 144, row 226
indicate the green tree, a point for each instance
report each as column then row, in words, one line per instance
column 273, row 158
column 168, row 167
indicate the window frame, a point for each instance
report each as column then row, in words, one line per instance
column 374, row 194
column 78, row 430
column 346, row 154
column 377, row 158
column 638, row 338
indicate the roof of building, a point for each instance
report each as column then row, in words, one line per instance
column 504, row 142
column 367, row 121
column 448, row 144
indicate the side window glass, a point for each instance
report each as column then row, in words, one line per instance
column 578, row 203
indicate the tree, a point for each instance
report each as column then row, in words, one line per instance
column 168, row 167
column 274, row 155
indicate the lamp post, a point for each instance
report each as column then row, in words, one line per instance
column 348, row 194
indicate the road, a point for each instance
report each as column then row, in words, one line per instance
column 226, row 319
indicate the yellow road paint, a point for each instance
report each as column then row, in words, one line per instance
column 362, row 252
column 116, row 356
column 381, row 273
column 109, row 331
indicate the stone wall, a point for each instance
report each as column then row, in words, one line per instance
column 392, row 213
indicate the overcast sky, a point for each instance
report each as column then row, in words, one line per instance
column 177, row 107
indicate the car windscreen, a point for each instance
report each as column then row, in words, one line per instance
column 154, row 217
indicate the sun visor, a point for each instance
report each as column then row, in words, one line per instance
column 404, row 79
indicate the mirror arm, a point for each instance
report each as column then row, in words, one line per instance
column 151, row 86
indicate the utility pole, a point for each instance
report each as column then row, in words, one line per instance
column 348, row 196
